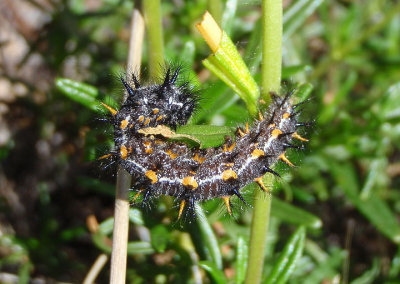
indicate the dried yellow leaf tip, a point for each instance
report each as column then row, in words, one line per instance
column 210, row 31
column 110, row 109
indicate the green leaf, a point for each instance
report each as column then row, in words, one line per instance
column 287, row 260
column 370, row 275
column 374, row 208
column 79, row 92
column 216, row 273
column 208, row 135
column 229, row 66
column 140, row 248
column 229, row 15
column 159, row 238
column 297, row 14
column 289, row 71
column 389, row 106
column 303, row 91
column 241, row 260
column 135, row 216
column 208, row 237
column 294, row 215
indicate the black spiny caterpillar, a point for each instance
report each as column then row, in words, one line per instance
column 161, row 167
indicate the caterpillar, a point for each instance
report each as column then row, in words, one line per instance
column 161, row 167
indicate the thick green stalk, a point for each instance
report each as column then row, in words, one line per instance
column 152, row 16
column 271, row 47
column 271, row 79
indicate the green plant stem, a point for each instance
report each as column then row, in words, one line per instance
column 271, row 79
column 271, row 47
column 152, row 16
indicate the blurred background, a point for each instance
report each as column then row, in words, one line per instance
column 56, row 200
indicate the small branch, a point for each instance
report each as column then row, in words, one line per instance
column 121, row 215
column 95, row 269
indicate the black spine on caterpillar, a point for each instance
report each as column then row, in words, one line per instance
column 160, row 167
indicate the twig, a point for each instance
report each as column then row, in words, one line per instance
column 95, row 269
column 121, row 215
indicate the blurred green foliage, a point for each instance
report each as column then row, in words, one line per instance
column 344, row 190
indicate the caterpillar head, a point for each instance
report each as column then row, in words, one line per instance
column 166, row 103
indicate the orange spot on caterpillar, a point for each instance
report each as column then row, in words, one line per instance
column 181, row 207
column 155, row 110
column 227, row 204
column 171, row 154
column 260, row 182
column 146, row 121
column 276, row 132
column 271, row 125
column 141, row 118
column 159, row 118
column 229, row 164
column 260, row 116
column 124, row 152
column 124, row 124
column 190, row 182
column 298, row 137
column 257, row 153
column 229, row 174
column 286, row 115
column 198, row 159
column 147, row 143
column 192, row 172
column 148, row 150
column 152, row 176
column 110, row 109
column 285, row 159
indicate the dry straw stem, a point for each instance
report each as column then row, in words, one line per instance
column 210, row 31
column 95, row 269
column 121, row 214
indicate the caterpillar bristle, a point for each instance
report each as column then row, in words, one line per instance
column 237, row 193
column 260, row 182
column 128, row 88
column 181, row 207
column 285, row 159
column 110, row 109
column 227, row 204
column 298, row 137
column 135, row 81
column 271, row 171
